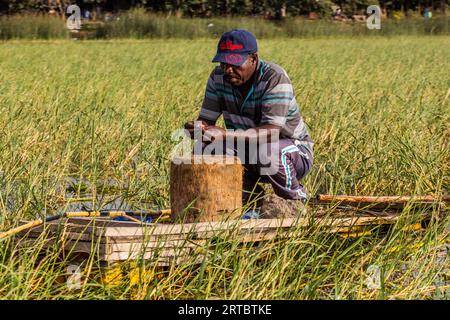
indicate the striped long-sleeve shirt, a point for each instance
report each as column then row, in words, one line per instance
column 271, row 100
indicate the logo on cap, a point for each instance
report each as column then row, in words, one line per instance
column 228, row 45
column 234, row 59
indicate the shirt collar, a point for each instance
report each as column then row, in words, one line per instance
column 260, row 70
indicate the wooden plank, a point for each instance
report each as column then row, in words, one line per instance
column 166, row 254
column 207, row 229
column 85, row 247
column 201, row 227
column 102, row 239
column 81, row 224
column 159, row 261
column 73, row 246
column 260, row 236
column 113, row 246
column 147, row 238
column 62, row 235
column 152, row 246
column 177, row 243
column 118, row 251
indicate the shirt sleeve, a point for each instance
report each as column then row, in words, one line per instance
column 276, row 100
column 211, row 106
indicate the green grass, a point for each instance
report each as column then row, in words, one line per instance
column 105, row 110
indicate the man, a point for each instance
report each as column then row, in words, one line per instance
column 257, row 97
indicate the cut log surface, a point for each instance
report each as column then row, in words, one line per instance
column 205, row 188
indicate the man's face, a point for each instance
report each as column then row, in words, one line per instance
column 237, row 76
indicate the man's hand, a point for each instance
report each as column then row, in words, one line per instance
column 213, row 133
column 191, row 126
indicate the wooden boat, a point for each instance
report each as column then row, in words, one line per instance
column 168, row 243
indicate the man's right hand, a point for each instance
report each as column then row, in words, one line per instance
column 191, row 126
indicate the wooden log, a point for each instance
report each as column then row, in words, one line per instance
column 206, row 188
column 380, row 199
column 385, row 202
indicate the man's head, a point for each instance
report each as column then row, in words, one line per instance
column 237, row 54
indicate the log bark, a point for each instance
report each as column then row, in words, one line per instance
column 205, row 188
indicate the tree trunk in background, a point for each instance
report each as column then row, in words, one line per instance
column 406, row 7
column 443, row 7
column 61, row 9
column 383, row 9
column 98, row 13
column 280, row 9
column 176, row 8
column 256, row 7
column 223, row 7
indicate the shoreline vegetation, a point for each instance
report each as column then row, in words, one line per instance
column 137, row 24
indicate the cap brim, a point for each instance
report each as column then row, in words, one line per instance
column 235, row 59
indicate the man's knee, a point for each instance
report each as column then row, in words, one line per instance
column 268, row 159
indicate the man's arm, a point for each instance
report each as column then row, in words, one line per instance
column 260, row 134
column 211, row 107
